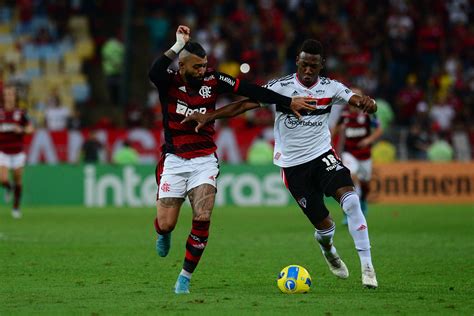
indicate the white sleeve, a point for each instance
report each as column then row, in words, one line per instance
column 342, row 93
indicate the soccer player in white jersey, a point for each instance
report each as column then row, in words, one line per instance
column 310, row 166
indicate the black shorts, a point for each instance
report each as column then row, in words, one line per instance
column 308, row 183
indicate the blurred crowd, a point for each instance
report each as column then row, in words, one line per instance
column 416, row 57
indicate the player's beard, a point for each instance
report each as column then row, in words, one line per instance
column 194, row 82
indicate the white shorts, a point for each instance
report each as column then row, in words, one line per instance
column 12, row 161
column 180, row 175
column 361, row 168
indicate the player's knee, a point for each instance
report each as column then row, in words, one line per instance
column 167, row 226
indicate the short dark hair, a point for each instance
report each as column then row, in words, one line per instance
column 195, row 49
column 313, row 47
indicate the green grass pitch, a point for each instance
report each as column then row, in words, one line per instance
column 94, row 261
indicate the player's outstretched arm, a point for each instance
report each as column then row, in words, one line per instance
column 162, row 63
column 264, row 95
column 230, row 110
column 369, row 140
column 364, row 102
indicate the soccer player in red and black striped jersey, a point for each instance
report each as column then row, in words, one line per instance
column 14, row 124
column 358, row 130
column 189, row 165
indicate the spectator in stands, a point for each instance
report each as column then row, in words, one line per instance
column 125, row 155
column 56, row 114
column 260, row 152
column 113, row 52
column 407, row 99
column 158, row 26
column 442, row 113
column 418, row 141
column 440, row 149
column 75, row 121
column 91, row 150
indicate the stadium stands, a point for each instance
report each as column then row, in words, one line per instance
column 410, row 54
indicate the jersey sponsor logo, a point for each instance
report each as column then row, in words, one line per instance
column 352, row 132
column 294, row 93
column 291, row 122
column 8, row 127
column 183, row 109
column 209, row 78
column 319, row 91
column 205, row 92
column 277, row 156
column 182, row 88
column 284, row 84
column 227, row 80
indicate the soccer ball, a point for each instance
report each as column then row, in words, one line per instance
column 294, row 279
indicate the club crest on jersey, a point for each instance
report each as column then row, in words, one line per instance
column 205, row 92
column 165, row 187
column 361, row 119
column 183, row 109
column 16, row 115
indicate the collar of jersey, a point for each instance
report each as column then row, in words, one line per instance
column 301, row 84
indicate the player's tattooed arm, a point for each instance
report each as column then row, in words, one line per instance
column 230, row 110
column 202, row 201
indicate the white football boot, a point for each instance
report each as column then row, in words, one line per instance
column 369, row 280
column 336, row 265
column 16, row 214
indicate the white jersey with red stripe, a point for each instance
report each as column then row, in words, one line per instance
column 300, row 141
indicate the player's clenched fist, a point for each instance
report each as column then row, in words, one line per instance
column 182, row 37
column 367, row 104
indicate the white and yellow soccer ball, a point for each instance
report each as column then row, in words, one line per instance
column 294, row 279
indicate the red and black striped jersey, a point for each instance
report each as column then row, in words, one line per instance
column 11, row 142
column 357, row 126
column 179, row 100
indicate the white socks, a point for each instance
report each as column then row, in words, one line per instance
column 186, row 274
column 325, row 237
column 357, row 227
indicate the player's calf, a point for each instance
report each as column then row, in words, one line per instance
column 325, row 239
column 163, row 241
